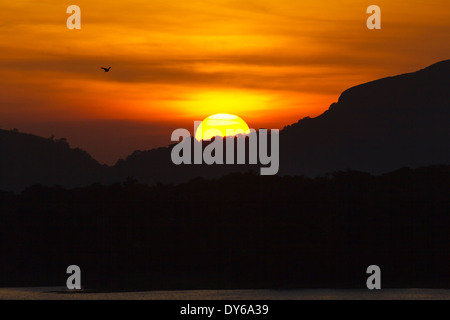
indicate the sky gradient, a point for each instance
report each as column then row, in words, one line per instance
column 271, row 62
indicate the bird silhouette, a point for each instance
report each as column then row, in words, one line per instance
column 106, row 69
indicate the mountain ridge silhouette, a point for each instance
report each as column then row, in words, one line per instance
column 377, row 127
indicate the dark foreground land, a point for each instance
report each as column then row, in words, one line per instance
column 240, row 231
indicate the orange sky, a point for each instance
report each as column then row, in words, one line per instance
column 271, row 62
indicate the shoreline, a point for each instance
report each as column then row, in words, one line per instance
column 60, row 293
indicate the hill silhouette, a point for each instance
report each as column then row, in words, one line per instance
column 26, row 159
column 374, row 127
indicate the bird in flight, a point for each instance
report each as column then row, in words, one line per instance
column 106, row 69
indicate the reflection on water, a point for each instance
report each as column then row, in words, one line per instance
column 58, row 293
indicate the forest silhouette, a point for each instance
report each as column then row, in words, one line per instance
column 240, row 231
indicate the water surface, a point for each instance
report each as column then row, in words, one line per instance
column 60, row 293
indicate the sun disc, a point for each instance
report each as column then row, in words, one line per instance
column 221, row 124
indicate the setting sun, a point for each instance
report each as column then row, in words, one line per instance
column 221, row 124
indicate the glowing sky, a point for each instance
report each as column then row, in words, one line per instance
column 271, row 62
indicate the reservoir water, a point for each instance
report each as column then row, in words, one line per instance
column 60, row 293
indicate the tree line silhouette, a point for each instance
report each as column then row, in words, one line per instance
column 240, row 231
